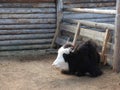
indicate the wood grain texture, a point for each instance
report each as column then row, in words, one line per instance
column 26, row 24
column 25, row 1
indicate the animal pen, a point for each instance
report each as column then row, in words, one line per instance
column 37, row 25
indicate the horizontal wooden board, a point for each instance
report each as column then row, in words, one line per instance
column 24, row 47
column 27, row 21
column 29, row 26
column 68, row 27
column 25, row 42
column 27, row 5
column 103, row 20
column 28, row 16
column 87, row 10
column 87, row 1
column 25, row 1
column 90, row 5
column 27, row 10
column 92, row 34
column 26, row 36
column 89, row 33
column 26, row 31
column 87, row 16
column 91, row 24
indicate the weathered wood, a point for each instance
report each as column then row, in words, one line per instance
column 90, row 5
column 87, row 1
column 25, row 42
column 26, row 36
column 28, row 16
column 86, row 10
column 86, row 16
column 76, row 34
column 27, row 10
column 26, row 24
column 27, row 5
column 25, row 1
column 116, row 61
column 29, row 26
column 27, row 21
column 91, row 24
column 67, row 27
column 24, row 47
column 59, row 18
column 104, row 47
column 26, row 31
column 106, row 20
column 96, row 35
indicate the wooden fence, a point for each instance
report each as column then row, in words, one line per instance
column 93, row 26
column 31, row 24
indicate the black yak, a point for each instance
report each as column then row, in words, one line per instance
column 80, row 60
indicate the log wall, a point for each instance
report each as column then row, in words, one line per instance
column 26, row 24
column 30, row 24
column 96, row 4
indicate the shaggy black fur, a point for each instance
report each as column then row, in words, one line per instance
column 84, row 60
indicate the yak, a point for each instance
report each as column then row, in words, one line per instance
column 81, row 60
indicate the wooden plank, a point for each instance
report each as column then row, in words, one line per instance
column 86, row 16
column 90, row 34
column 59, row 19
column 27, row 5
column 104, row 47
column 25, row 1
column 29, row 26
column 25, row 42
column 24, row 47
column 26, row 36
column 92, row 24
column 26, row 31
column 27, row 21
column 102, row 20
column 76, row 34
column 86, row 1
column 28, row 16
column 86, row 10
column 116, row 57
column 96, row 35
column 84, row 32
column 27, row 10
column 67, row 27
column 90, row 5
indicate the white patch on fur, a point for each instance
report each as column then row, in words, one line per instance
column 60, row 63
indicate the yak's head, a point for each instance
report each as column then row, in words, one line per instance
column 60, row 62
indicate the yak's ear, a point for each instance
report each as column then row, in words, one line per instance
column 65, row 56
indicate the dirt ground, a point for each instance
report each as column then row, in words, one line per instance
column 37, row 74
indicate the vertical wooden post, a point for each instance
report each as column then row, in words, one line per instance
column 59, row 18
column 116, row 61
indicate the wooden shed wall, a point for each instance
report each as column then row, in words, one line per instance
column 96, row 4
column 26, row 24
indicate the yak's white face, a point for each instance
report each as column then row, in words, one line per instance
column 60, row 63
